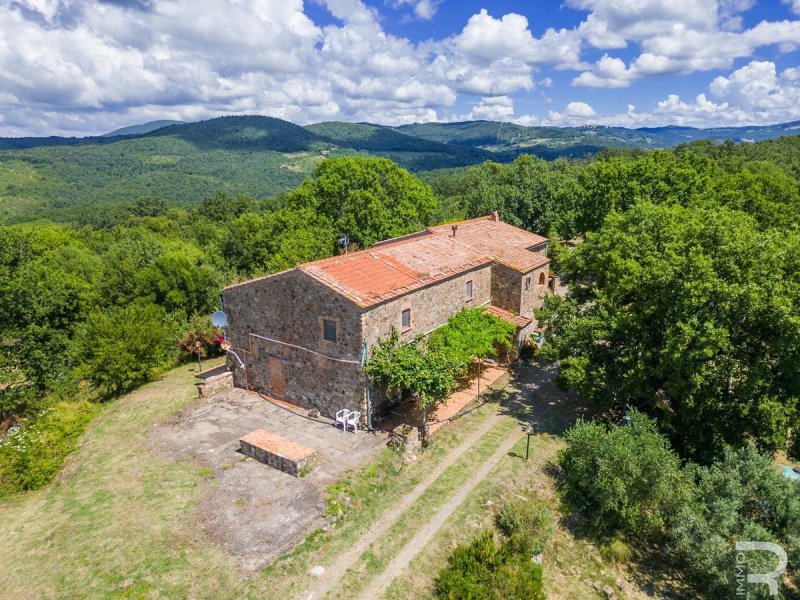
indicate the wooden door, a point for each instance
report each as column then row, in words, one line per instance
column 277, row 382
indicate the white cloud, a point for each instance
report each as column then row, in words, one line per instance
column 755, row 94
column 675, row 37
column 580, row 110
column 486, row 38
column 575, row 113
column 490, row 108
column 423, row 9
column 76, row 67
column 794, row 5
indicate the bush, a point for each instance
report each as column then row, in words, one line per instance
column 527, row 525
column 617, row 551
column 486, row 570
column 741, row 497
column 199, row 334
column 31, row 455
column 124, row 347
column 626, row 478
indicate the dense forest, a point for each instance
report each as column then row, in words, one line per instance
column 683, row 305
column 90, row 180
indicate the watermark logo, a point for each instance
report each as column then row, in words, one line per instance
column 771, row 578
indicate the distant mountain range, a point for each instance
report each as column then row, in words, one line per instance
column 142, row 129
column 57, row 177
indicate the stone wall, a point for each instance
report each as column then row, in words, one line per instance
column 430, row 306
column 506, row 288
column 275, row 326
column 430, row 309
column 533, row 297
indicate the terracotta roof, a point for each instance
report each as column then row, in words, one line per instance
column 508, row 317
column 398, row 266
column 372, row 276
column 505, row 243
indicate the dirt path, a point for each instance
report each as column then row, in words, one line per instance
column 378, row 587
column 332, row 574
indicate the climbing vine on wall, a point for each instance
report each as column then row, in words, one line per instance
column 430, row 369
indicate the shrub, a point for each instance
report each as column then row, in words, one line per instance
column 198, row 334
column 626, row 478
column 740, row 497
column 124, row 347
column 486, row 570
column 31, row 455
column 616, row 550
column 527, row 525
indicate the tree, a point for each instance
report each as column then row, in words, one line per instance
column 529, row 193
column 409, row 367
column 689, row 314
column 258, row 243
column 180, row 280
column 740, row 497
column 471, row 334
column 223, row 207
column 124, row 347
column 149, row 206
column 660, row 177
column 624, row 478
column 367, row 199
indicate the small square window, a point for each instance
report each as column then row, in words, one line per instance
column 329, row 330
column 469, row 290
column 405, row 318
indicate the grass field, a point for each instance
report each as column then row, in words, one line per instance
column 121, row 521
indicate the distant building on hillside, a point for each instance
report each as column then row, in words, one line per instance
column 303, row 334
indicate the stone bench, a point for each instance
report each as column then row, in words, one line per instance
column 279, row 453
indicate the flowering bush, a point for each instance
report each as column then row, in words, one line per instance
column 200, row 336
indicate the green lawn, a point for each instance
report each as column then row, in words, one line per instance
column 120, row 521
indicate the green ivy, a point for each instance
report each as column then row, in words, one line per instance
column 431, row 369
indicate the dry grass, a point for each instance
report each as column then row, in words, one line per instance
column 121, row 521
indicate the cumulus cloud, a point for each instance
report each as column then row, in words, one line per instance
column 755, row 94
column 77, row 67
column 794, row 5
column 423, row 9
column 575, row 113
column 490, row 108
column 675, row 37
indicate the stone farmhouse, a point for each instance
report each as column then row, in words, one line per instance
column 304, row 334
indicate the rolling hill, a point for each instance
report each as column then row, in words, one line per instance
column 60, row 178
column 551, row 142
column 141, row 129
column 64, row 178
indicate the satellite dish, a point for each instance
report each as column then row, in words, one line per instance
column 219, row 319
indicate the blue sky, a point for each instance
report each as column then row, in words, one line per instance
column 75, row 67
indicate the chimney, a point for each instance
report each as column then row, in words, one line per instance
column 493, row 216
column 454, row 228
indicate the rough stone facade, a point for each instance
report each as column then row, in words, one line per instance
column 430, row 307
column 277, row 323
column 519, row 293
column 276, row 329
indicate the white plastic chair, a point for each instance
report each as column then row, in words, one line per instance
column 341, row 417
column 353, row 418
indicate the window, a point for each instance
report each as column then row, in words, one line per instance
column 405, row 318
column 542, row 278
column 469, row 290
column 329, row 330
column 527, row 283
